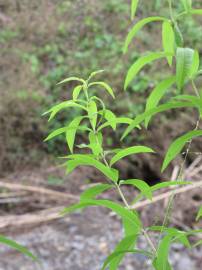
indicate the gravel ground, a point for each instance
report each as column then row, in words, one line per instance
column 80, row 242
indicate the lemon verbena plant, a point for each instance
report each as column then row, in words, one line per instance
column 95, row 117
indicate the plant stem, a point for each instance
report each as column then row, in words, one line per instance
column 180, row 174
column 149, row 241
column 129, row 208
column 171, row 10
column 122, row 196
column 143, row 230
column 195, row 88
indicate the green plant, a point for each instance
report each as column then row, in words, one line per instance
column 95, row 117
column 10, row 243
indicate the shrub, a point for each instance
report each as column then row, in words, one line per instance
column 184, row 66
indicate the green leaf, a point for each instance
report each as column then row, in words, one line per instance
column 55, row 133
column 168, row 184
column 89, row 161
column 76, row 92
column 196, row 11
column 118, row 120
column 130, row 151
column 121, row 211
column 71, row 132
column 197, row 244
column 196, row 101
column 135, row 29
column 199, row 214
column 111, row 118
column 178, row 36
column 141, row 117
column 94, row 73
column 140, row 63
column 187, row 5
column 184, row 59
column 92, row 113
column 66, row 104
column 160, row 186
column 94, row 191
column 103, row 85
column 127, row 243
column 156, row 95
column 176, row 147
column 96, row 143
column 168, row 40
column 195, row 64
column 141, row 185
column 17, row 247
column 70, row 79
column 163, row 252
column 114, row 255
column 134, row 4
column 161, row 262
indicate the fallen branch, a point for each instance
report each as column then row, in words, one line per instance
column 49, row 192
column 30, row 219
column 54, row 213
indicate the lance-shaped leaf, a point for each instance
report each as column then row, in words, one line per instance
column 93, row 192
column 55, row 133
column 196, row 11
column 94, row 73
column 118, row 120
column 121, row 211
column 177, row 235
column 134, row 4
column 160, row 186
column 136, row 28
column 168, row 40
column 169, row 184
column 92, row 113
column 176, row 147
column 70, row 79
column 187, row 5
column 197, row 244
column 172, row 235
column 127, row 243
column 168, row 266
column 76, row 92
column 141, row 185
column 16, row 246
column 71, row 130
column 161, row 262
column 197, row 101
column 111, row 118
column 130, row 151
column 140, row 63
column 184, row 59
column 103, row 85
column 165, row 107
column 199, row 214
column 96, row 142
column 195, row 64
column 116, row 254
column 179, row 40
column 156, row 95
column 80, row 160
column 66, row 104
column 115, row 258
